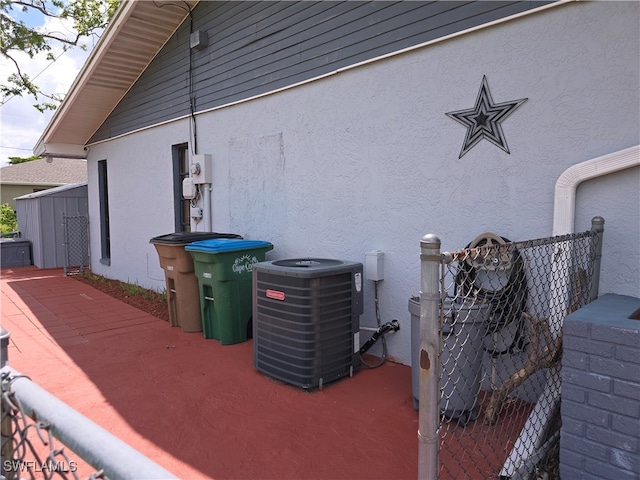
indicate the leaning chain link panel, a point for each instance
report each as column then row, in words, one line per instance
column 501, row 316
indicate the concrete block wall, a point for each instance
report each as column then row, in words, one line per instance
column 600, row 435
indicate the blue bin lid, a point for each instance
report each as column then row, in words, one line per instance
column 220, row 245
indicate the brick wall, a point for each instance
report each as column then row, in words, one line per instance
column 600, row 436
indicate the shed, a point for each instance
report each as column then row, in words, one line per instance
column 45, row 217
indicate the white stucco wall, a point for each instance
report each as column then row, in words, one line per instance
column 618, row 195
column 367, row 159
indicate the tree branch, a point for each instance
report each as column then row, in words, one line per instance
column 88, row 16
column 41, row 8
column 62, row 39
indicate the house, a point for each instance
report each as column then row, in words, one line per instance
column 36, row 175
column 331, row 129
column 334, row 129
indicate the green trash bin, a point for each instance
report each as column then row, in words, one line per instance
column 224, row 268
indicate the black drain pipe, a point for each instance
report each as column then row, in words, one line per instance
column 393, row 325
column 378, row 334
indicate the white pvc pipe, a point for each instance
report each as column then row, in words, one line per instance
column 564, row 203
column 206, row 207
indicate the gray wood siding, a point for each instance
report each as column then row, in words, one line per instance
column 255, row 47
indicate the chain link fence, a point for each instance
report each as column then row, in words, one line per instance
column 500, row 307
column 29, row 449
column 76, row 243
column 35, row 424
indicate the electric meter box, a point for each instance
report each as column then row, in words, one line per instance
column 201, row 168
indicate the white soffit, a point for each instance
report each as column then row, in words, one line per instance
column 137, row 32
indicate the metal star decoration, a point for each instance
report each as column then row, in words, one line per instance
column 483, row 120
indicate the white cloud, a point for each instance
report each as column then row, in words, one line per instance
column 21, row 125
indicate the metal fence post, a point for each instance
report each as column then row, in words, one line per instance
column 6, row 432
column 65, row 229
column 597, row 226
column 429, row 358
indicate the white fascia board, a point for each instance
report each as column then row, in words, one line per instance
column 60, row 150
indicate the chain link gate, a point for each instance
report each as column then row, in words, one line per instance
column 495, row 310
column 76, row 243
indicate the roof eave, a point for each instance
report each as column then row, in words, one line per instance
column 119, row 17
column 48, row 145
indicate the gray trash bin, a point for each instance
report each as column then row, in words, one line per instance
column 4, row 343
column 461, row 359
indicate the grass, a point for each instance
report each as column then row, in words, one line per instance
column 94, row 278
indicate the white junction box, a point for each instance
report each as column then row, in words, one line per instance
column 374, row 265
column 188, row 188
column 196, row 213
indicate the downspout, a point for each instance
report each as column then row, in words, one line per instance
column 206, row 207
column 520, row 461
column 564, row 204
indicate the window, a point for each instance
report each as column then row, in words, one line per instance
column 180, row 172
column 103, row 195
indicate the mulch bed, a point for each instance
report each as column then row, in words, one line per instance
column 149, row 301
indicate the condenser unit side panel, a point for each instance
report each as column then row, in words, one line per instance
column 331, row 307
column 302, row 375
column 305, row 371
column 315, row 355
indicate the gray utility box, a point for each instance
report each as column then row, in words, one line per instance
column 306, row 319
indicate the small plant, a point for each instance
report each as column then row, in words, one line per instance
column 132, row 289
column 8, row 219
column 93, row 277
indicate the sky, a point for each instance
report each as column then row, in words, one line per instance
column 21, row 125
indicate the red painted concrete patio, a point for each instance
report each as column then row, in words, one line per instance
column 195, row 407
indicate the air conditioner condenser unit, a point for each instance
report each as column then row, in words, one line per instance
column 306, row 319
